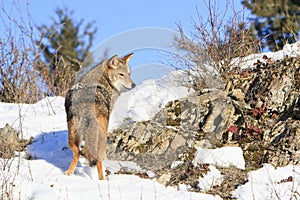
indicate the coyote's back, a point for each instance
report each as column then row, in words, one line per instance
column 88, row 105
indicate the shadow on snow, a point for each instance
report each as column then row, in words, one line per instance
column 53, row 148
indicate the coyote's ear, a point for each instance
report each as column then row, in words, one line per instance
column 114, row 62
column 127, row 58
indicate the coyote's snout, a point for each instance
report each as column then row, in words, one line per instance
column 88, row 105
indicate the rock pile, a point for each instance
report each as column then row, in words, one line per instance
column 259, row 110
column 155, row 144
column 268, row 115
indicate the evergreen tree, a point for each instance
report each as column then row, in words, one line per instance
column 277, row 22
column 65, row 45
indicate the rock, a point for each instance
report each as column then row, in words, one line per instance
column 10, row 142
column 276, row 85
column 157, row 143
column 259, row 111
column 220, row 116
column 164, row 179
column 269, row 114
column 285, row 144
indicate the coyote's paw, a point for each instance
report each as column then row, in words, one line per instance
column 68, row 172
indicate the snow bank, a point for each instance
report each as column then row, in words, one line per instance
column 269, row 183
column 145, row 101
column 46, row 115
column 221, row 157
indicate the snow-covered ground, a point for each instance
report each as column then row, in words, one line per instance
column 41, row 177
column 270, row 183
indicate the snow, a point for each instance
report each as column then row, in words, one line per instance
column 292, row 50
column 270, row 183
column 145, row 101
column 33, row 119
column 39, row 179
column 42, row 177
column 221, row 157
column 212, row 178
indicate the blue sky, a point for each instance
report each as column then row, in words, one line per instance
column 116, row 16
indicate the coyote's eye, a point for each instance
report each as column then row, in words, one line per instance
column 121, row 74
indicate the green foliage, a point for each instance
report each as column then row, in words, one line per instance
column 277, row 22
column 65, row 45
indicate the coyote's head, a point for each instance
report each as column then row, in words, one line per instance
column 119, row 73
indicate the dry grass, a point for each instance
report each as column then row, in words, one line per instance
column 18, row 81
column 24, row 76
column 214, row 42
column 59, row 80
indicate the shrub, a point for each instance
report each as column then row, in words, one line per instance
column 213, row 44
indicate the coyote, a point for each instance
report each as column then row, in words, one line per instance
column 88, row 105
